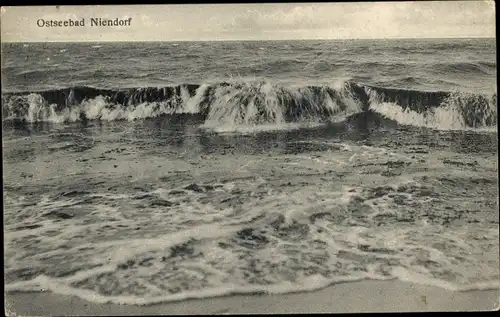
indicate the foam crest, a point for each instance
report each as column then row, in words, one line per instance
column 260, row 104
column 98, row 108
column 45, row 283
column 193, row 104
column 235, row 106
column 458, row 111
column 412, row 276
column 244, row 104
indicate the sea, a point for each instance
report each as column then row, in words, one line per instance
column 146, row 172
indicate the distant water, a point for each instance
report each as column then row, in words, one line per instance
column 146, row 172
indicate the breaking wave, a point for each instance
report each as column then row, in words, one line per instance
column 447, row 110
column 239, row 104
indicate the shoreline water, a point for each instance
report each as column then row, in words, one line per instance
column 376, row 296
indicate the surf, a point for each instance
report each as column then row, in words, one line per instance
column 254, row 103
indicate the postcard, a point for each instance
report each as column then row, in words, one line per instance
column 250, row 158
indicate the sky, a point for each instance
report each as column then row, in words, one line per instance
column 261, row 21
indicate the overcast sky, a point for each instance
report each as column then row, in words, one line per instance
column 436, row 19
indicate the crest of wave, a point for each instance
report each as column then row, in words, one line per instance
column 460, row 111
column 98, row 108
column 39, row 111
column 245, row 103
column 477, row 111
column 34, row 108
column 264, row 104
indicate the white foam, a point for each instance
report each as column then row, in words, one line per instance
column 402, row 244
column 124, row 249
column 447, row 116
column 412, row 276
column 229, row 114
column 193, row 104
column 99, row 108
column 311, row 283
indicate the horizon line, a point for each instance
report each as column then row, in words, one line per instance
column 253, row 40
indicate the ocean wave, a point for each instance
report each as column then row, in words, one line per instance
column 440, row 110
column 250, row 103
column 488, row 64
column 450, row 46
column 235, row 103
column 284, row 64
column 485, row 68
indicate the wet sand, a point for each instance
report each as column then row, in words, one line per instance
column 362, row 296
